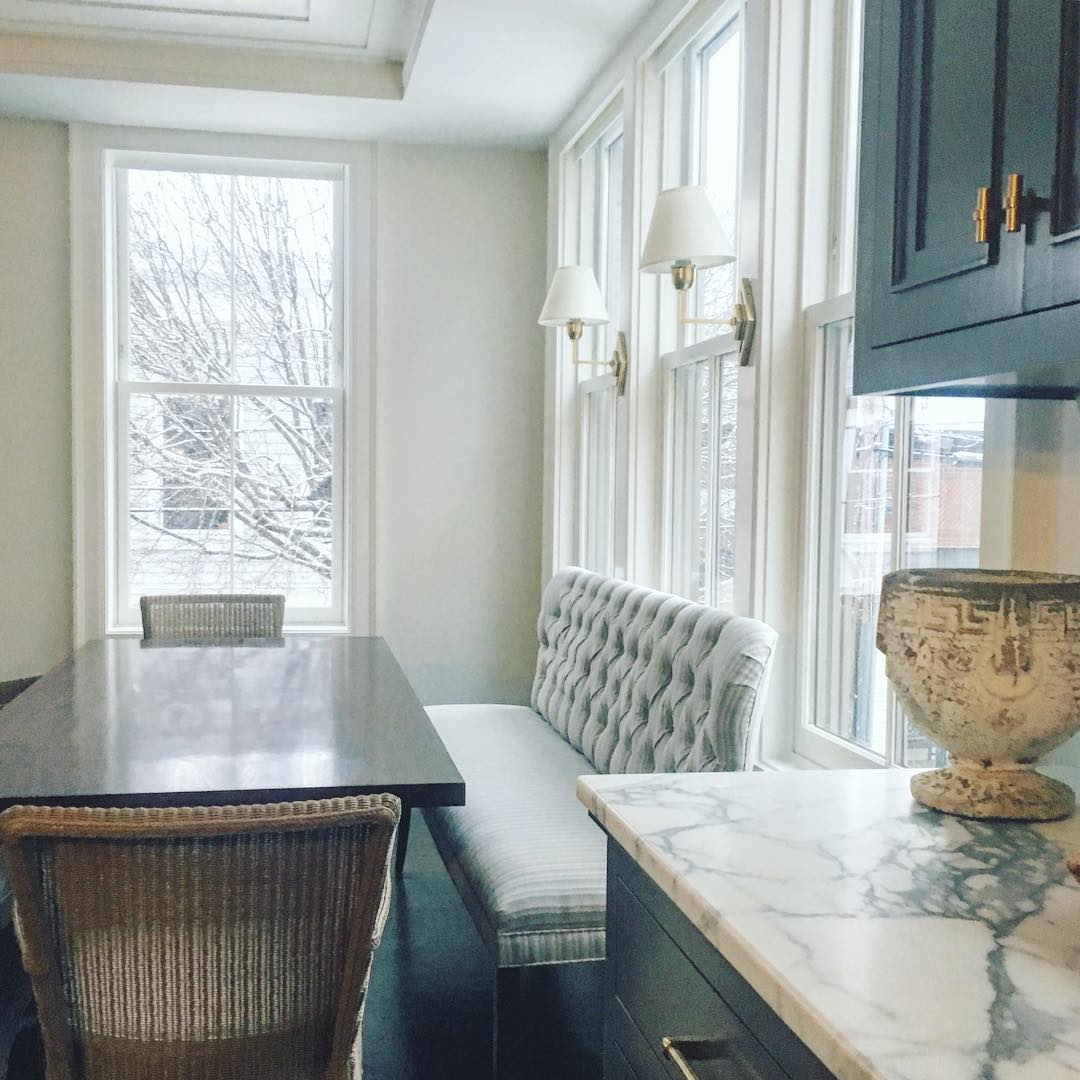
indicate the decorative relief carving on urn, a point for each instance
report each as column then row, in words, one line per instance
column 987, row 663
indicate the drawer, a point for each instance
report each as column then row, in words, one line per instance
column 666, row 996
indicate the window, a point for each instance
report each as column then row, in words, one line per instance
column 595, row 228
column 899, row 484
column 701, row 87
column 229, row 384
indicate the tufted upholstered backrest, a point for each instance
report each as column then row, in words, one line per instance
column 639, row 681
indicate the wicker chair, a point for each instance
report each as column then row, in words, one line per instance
column 215, row 943
column 212, row 617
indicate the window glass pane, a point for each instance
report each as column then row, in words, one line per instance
column 230, row 278
column 938, row 525
column 599, row 480
column 719, row 160
column 179, row 288
column 284, row 498
column 864, row 483
column 691, row 503
column 726, row 449
column 612, row 276
column 284, row 290
column 673, row 166
column 944, row 508
column 230, row 495
column 179, row 495
column 704, row 445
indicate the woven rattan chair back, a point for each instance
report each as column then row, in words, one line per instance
column 214, row 943
column 212, row 617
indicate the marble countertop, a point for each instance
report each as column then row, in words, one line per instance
column 894, row 941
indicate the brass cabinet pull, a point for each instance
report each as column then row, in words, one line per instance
column 675, row 1055
column 1013, row 203
column 1020, row 206
column 983, row 216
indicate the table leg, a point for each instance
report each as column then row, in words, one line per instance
column 402, row 839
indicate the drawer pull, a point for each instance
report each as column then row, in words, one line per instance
column 675, row 1055
column 711, row 1053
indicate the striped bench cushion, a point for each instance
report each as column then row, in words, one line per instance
column 527, row 860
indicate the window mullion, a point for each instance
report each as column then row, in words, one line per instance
column 901, row 487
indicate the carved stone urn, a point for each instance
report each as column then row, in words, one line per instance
column 987, row 664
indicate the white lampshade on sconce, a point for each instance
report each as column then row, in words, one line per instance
column 574, row 297
column 686, row 234
column 685, row 231
column 574, row 301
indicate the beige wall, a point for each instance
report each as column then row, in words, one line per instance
column 35, row 399
column 459, row 375
column 1040, row 499
column 459, row 417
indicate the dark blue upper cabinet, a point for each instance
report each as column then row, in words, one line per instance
column 966, row 105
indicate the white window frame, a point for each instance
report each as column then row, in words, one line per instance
column 97, row 407
column 583, row 187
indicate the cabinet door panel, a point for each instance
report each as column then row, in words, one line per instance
column 932, row 126
column 1042, row 143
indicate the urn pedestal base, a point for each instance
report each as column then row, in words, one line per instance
column 1005, row 791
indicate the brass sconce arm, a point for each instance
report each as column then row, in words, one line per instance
column 743, row 321
column 618, row 363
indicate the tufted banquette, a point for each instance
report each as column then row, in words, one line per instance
column 628, row 680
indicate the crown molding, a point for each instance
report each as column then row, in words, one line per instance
column 215, row 66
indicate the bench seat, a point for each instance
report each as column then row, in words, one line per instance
column 628, row 680
column 528, row 862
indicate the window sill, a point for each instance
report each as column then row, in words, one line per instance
column 785, row 762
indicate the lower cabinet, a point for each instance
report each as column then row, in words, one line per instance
column 675, row 1007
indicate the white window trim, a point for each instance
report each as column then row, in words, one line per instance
column 92, row 243
column 577, row 236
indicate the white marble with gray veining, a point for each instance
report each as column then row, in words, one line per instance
column 895, row 941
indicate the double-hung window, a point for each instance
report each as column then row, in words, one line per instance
column 595, row 226
column 892, row 482
column 896, row 482
column 227, row 372
column 701, row 83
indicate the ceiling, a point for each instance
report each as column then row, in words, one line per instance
column 474, row 72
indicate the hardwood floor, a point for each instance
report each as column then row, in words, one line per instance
column 429, row 1006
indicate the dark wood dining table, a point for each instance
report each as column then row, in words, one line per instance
column 125, row 722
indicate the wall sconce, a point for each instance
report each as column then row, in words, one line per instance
column 574, row 301
column 686, row 234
